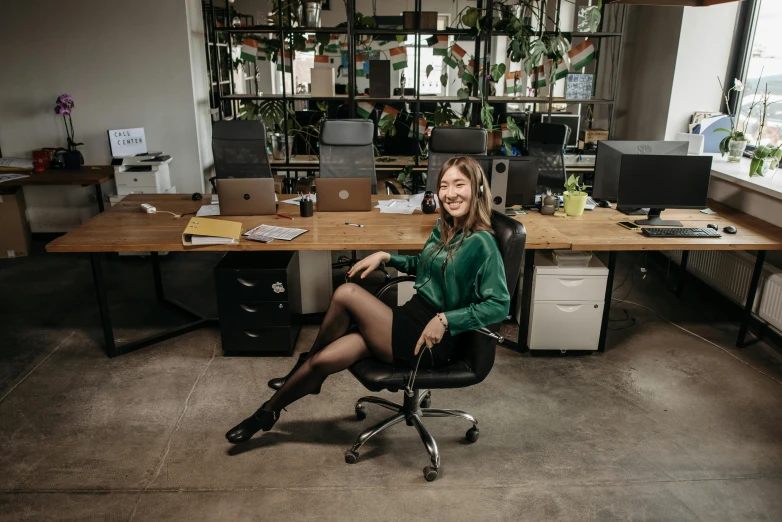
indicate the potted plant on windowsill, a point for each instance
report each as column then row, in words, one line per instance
column 764, row 156
column 71, row 157
column 736, row 141
column 574, row 196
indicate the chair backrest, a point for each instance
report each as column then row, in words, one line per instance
column 346, row 150
column 447, row 142
column 549, row 133
column 476, row 349
column 551, row 166
column 239, row 149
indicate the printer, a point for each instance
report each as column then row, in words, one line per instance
column 137, row 171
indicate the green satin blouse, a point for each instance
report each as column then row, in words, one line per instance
column 472, row 293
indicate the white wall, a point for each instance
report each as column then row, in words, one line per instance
column 127, row 64
column 704, row 48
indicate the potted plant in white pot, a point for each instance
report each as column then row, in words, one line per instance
column 735, row 142
column 764, row 157
column 575, row 196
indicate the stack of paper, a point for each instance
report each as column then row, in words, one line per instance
column 9, row 177
column 16, row 163
column 208, row 210
column 268, row 233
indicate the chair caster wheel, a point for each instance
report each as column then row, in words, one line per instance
column 430, row 473
column 427, row 402
column 361, row 413
column 472, row 434
column 351, row 457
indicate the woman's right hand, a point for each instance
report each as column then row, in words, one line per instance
column 369, row 264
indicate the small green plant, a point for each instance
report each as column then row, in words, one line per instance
column 574, row 187
column 760, row 154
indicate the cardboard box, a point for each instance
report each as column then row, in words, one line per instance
column 322, row 82
column 592, row 135
column 428, row 20
column 14, row 229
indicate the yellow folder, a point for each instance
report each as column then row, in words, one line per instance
column 205, row 231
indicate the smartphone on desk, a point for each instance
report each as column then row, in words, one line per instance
column 628, row 224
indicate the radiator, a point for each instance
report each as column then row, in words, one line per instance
column 730, row 272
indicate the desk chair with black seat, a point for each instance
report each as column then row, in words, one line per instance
column 346, row 152
column 447, row 142
column 472, row 362
column 239, row 149
column 547, row 142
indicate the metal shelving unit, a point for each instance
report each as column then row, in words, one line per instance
column 482, row 47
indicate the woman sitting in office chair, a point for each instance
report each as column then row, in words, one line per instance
column 460, row 284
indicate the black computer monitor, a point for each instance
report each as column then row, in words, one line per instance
column 661, row 182
column 522, row 177
column 609, row 157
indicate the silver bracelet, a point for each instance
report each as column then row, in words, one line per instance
column 442, row 322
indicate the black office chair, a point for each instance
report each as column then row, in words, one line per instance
column 346, row 151
column 472, row 362
column 239, row 149
column 547, row 142
column 549, row 133
column 447, row 142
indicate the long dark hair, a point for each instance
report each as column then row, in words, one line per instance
column 477, row 218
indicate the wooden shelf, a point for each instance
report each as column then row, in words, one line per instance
column 277, row 29
column 545, row 99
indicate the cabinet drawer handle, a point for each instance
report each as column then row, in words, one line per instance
column 251, row 334
column 248, row 308
column 571, row 282
column 568, row 307
column 246, row 282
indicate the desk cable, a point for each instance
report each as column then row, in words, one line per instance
column 149, row 209
column 702, row 339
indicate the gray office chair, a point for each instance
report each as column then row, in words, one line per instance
column 447, row 142
column 551, row 169
column 239, row 149
column 346, row 150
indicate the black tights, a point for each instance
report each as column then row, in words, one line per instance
column 336, row 350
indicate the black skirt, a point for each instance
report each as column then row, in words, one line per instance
column 410, row 319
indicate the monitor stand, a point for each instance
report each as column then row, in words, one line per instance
column 632, row 211
column 655, row 220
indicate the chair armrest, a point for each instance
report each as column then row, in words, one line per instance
column 393, row 282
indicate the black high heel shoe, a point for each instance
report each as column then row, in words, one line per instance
column 260, row 420
column 277, row 382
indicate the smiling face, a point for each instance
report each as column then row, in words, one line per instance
column 455, row 193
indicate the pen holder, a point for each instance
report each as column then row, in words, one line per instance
column 305, row 208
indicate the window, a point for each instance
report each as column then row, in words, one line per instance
column 764, row 58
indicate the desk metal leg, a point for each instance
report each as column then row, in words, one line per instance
column 601, row 346
column 99, row 195
column 753, row 290
column 682, row 273
column 96, row 259
column 111, row 348
column 526, row 298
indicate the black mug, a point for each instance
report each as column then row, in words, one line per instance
column 305, row 208
column 428, row 204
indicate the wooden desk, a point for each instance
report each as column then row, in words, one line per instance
column 87, row 175
column 597, row 230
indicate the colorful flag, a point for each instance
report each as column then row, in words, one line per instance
column 249, row 49
column 513, row 82
column 540, row 81
column 581, row 55
column 332, row 48
column 439, row 44
column 364, row 109
column 457, row 51
column 310, row 44
column 398, row 57
column 507, row 135
column 288, row 57
column 421, row 129
column 324, row 62
column 261, row 55
column 561, row 71
column 467, row 76
column 389, row 111
column 360, row 65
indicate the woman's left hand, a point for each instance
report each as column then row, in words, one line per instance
column 432, row 334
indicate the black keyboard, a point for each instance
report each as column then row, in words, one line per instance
column 681, row 232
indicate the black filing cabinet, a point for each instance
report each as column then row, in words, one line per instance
column 254, row 291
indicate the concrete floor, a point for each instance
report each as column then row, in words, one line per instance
column 663, row 426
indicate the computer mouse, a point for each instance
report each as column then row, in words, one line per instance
column 605, row 204
column 197, row 196
column 712, row 225
column 730, row 229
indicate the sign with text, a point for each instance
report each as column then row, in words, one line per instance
column 127, row 142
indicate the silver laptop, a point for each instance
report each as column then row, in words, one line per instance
column 246, row 197
column 344, row 194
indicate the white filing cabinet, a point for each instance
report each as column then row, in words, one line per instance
column 567, row 305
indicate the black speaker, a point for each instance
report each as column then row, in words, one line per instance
column 380, row 78
column 499, row 183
